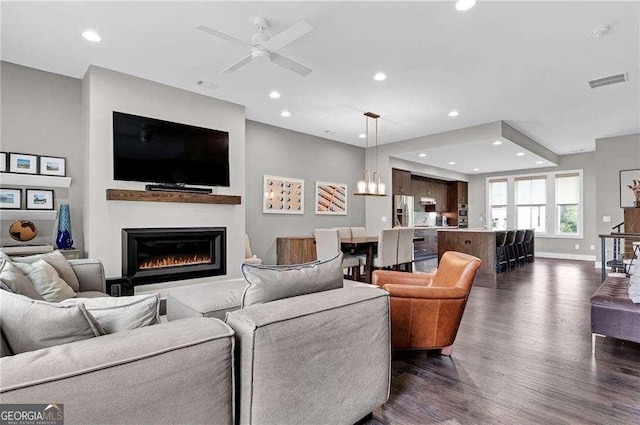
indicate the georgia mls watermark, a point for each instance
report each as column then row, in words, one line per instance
column 32, row 414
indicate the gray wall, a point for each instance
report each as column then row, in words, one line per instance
column 612, row 155
column 279, row 152
column 41, row 114
column 585, row 161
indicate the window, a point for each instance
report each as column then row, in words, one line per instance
column 498, row 204
column 549, row 203
column 567, row 203
column 531, row 202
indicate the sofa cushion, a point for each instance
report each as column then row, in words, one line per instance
column 117, row 314
column 269, row 283
column 47, row 281
column 213, row 299
column 13, row 280
column 30, row 324
column 634, row 286
column 58, row 262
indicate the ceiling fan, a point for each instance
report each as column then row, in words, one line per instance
column 263, row 48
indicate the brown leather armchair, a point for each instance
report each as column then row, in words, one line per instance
column 426, row 309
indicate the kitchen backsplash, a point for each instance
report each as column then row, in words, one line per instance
column 422, row 218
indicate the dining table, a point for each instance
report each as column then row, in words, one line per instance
column 363, row 243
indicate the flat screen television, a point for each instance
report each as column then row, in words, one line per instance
column 156, row 151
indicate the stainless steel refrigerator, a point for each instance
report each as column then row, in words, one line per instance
column 403, row 211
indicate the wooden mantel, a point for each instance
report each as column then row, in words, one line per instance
column 160, row 196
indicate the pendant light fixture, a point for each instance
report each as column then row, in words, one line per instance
column 371, row 184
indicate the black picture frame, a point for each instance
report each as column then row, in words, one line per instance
column 30, row 206
column 4, row 162
column 626, row 195
column 17, row 170
column 42, row 160
column 15, row 190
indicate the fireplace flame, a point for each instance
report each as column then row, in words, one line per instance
column 173, row 261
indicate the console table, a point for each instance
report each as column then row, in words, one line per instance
column 295, row 250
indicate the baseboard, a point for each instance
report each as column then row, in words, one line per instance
column 563, row 256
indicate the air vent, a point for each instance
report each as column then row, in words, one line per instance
column 207, row 85
column 605, row 81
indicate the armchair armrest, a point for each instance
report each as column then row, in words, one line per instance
column 383, row 277
column 424, row 292
column 90, row 275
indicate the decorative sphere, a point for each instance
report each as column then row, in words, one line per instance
column 23, row 231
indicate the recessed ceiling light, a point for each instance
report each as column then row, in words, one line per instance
column 539, row 162
column 362, row 136
column 463, row 5
column 285, row 114
column 497, row 143
column 476, row 169
column 380, row 76
column 453, row 113
column 274, row 95
column 520, row 154
column 91, row 36
column 452, row 163
column 422, row 155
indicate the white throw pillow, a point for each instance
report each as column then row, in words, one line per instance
column 58, row 262
column 47, row 281
column 634, row 286
column 116, row 314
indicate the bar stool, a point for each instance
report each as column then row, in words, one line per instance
column 509, row 246
column 519, row 247
column 528, row 245
column 501, row 255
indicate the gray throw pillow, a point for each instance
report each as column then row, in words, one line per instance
column 13, row 280
column 634, row 286
column 29, row 325
column 58, row 262
column 46, row 281
column 117, row 314
column 270, row 283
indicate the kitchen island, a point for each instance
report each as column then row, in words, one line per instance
column 480, row 243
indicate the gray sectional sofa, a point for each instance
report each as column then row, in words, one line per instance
column 320, row 358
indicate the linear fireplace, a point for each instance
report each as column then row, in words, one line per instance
column 163, row 254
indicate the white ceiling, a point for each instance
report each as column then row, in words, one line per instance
column 525, row 63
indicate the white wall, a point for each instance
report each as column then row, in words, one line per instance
column 276, row 151
column 106, row 91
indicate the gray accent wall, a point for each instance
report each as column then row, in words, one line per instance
column 584, row 161
column 279, row 152
column 41, row 114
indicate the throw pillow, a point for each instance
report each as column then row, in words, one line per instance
column 116, row 314
column 634, row 286
column 12, row 279
column 46, row 281
column 29, row 325
column 268, row 283
column 58, row 262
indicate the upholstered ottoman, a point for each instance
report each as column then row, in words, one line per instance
column 613, row 314
column 213, row 299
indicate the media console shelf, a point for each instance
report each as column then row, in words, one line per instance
column 160, row 196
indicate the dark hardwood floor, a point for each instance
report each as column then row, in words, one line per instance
column 522, row 356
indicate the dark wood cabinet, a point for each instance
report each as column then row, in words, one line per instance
column 401, row 182
column 462, row 192
column 295, row 250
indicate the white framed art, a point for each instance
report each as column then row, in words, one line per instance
column 23, row 163
column 3, row 162
column 283, row 195
column 331, row 198
column 53, row 166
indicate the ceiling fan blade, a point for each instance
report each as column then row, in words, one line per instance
column 221, row 35
column 287, row 36
column 245, row 60
column 290, row 65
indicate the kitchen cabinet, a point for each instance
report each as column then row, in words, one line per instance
column 462, row 192
column 428, row 245
column 401, row 182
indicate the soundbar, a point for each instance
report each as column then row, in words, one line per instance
column 176, row 188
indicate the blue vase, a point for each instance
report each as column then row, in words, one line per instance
column 64, row 239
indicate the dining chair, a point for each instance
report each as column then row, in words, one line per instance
column 328, row 246
column 358, row 232
column 405, row 248
column 344, row 232
column 387, row 255
column 249, row 258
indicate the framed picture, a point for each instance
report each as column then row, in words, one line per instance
column 10, row 199
column 23, row 163
column 52, row 166
column 629, row 188
column 3, row 162
column 283, row 195
column 39, row 199
column 331, row 198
